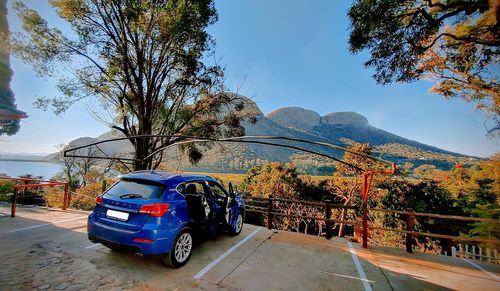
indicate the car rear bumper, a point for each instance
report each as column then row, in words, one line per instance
column 161, row 239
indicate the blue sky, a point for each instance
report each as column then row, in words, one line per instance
column 281, row 53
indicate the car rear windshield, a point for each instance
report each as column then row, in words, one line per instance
column 127, row 189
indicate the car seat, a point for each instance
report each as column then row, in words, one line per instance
column 195, row 206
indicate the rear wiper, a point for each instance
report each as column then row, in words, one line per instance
column 131, row 196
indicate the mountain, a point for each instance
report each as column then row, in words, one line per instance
column 340, row 128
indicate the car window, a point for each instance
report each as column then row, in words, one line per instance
column 216, row 189
column 181, row 188
column 140, row 187
column 195, row 187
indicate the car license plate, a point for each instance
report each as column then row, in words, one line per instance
column 117, row 214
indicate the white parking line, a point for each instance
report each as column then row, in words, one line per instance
column 480, row 268
column 346, row 276
column 46, row 224
column 92, row 246
column 359, row 268
column 227, row 253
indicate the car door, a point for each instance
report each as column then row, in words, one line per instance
column 226, row 204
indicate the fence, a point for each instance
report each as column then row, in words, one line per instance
column 300, row 211
column 30, row 183
column 470, row 247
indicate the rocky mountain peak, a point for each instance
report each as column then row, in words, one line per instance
column 295, row 117
column 345, row 118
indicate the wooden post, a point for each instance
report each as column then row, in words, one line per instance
column 410, row 221
column 104, row 186
column 269, row 210
column 365, row 210
column 14, row 203
column 65, row 202
column 328, row 215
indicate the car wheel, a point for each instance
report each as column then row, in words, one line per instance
column 239, row 225
column 181, row 250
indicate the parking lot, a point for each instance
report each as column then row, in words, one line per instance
column 48, row 249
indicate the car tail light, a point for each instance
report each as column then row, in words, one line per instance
column 156, row 210
column 98, row 200
column 143, row 240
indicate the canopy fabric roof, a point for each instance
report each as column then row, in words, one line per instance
column 10, row 114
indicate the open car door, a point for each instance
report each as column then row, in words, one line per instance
column 235, row 220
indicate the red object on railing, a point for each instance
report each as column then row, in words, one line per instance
column 367, row 181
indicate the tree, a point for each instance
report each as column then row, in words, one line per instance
column 426, row 197
column 143, row 60
column 454, row 42
column 84, row 165
column 9, row 121
column 68, row 167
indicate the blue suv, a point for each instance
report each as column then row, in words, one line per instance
column 157, row 213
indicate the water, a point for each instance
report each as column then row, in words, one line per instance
column 18, row 168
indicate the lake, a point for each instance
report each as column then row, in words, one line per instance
column 18, row 168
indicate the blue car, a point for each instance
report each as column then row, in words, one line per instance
column 157, row 213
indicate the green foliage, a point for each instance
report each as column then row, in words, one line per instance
column 6, row 190
column 312, row 164
column 455, row 43
column 282, row 181
column 426, row 197
column 414, row 153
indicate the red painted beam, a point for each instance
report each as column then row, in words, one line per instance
column 39, row 185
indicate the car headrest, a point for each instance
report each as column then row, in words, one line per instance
column 191, row 189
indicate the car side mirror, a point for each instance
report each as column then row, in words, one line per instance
column 231, row 191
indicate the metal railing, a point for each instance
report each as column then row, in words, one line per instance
column 272, row 211
column 267, row 206
column 35, row 183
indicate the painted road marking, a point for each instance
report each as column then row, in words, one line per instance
column 227, row 253
column 480, row 268
column 350, row 277
column 46, row 224
column 361, row 273
column 92, row 246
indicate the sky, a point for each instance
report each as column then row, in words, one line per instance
column 280, row 53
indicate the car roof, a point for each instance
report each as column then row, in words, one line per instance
column 166, row 177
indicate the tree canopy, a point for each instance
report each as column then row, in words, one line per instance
column 453, row 42
column 143, row 60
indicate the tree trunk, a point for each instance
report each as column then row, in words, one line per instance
column 341, row 227
column 143, row 147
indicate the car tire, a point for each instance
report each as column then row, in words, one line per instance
column 181, row 250
column 239, row 225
